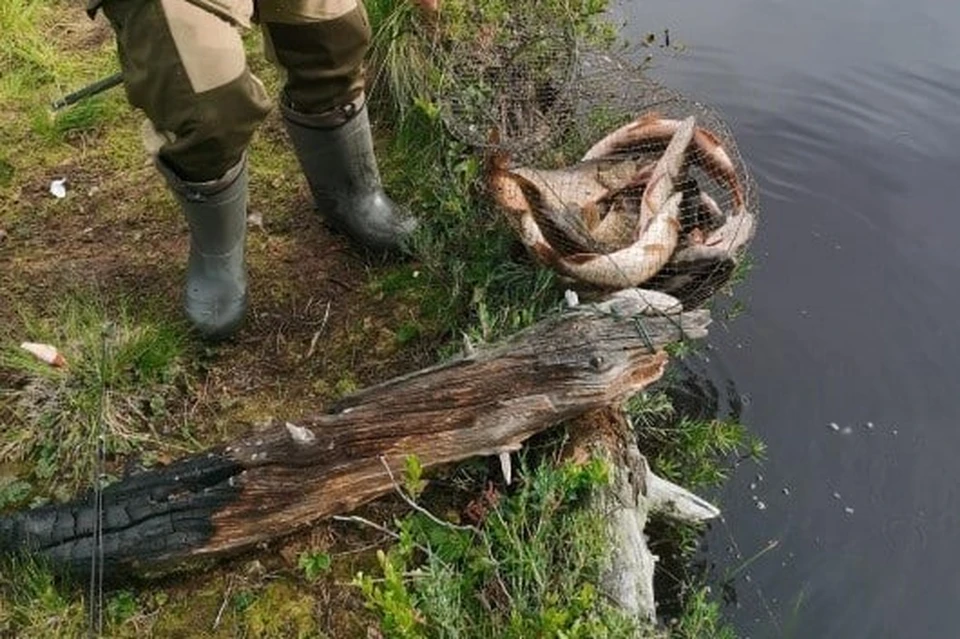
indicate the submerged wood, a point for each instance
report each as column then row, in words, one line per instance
column 232, row 497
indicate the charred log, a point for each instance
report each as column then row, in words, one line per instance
column 268, row 485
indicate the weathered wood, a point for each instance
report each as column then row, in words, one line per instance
column 626, row 502
column 628, row 579
column 233, row 497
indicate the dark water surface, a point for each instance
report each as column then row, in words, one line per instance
column 848, row 114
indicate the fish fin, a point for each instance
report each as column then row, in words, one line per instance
column 709, row 135
column 497, row 158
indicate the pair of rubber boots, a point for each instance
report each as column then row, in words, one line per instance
column 341, row 169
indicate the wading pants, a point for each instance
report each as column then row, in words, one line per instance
column 183, row 64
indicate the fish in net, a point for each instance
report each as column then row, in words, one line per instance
column 608, row 177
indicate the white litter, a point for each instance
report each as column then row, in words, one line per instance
column 58, row 188
column 45, row 353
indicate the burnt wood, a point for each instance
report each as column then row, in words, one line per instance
column 269, row 484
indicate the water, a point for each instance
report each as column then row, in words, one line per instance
column 847, row 113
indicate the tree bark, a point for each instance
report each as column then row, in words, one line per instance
column 232, row 497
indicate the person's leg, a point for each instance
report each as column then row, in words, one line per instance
column 320, row 47
column 185, row 68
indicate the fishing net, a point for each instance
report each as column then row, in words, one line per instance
column 596, row 166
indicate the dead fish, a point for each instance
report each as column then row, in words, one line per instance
column 667, row 172
column 653, row 130
column 622, row 221
column 635, row 264
column 710, row 212
column 650, row 129
column 620, row 224
column 617, row 176
column 581, row 182
column 723, row 243
column 564, row 202
column 562, row 225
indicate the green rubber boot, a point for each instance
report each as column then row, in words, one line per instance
column 215, row 299
column 335, row 150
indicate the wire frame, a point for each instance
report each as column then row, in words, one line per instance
column 610, row 178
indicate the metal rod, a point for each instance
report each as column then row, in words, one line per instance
column 92, row 89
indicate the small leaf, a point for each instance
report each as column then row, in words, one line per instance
column 413, row 473
column 314, row 564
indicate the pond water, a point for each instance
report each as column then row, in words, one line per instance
column 848, row 114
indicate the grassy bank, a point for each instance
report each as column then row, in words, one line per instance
column 98, row 273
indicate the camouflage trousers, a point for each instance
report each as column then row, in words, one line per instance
column 184, row 65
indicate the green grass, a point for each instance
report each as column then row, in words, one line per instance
column 124, row 369
column 529, row 568
column 695, row 453
column 34, row 604
column 701, row 618
column 699, row 455
column 38, row 68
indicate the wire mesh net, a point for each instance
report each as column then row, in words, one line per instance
column 608, row 177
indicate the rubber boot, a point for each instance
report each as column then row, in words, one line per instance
column 215, row 299
column 335, row 151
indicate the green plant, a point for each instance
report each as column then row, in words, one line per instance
column 697, row 454
column 314, row 564
column 33, row 604
column 121, row 606
column 529, row 568
column 13, row 492
column 692, row 452
column 701, row 618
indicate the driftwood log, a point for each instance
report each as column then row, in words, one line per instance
column 633, row 493
column 488, row 401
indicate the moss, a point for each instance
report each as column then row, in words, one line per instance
column 280, row 611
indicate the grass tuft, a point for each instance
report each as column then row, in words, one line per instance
column 694, row 453
column 131, row 366
column 529, row 568
column 701, row 618
column 34, row 605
